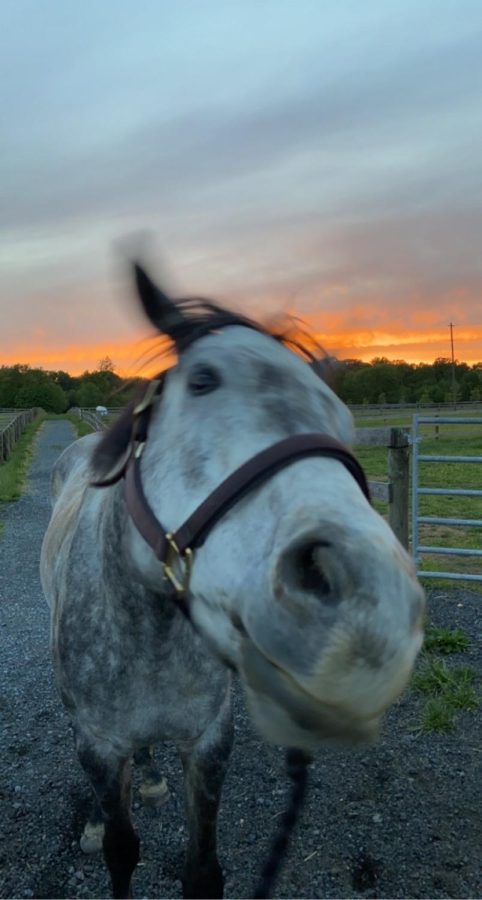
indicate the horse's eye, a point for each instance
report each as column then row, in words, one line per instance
column 203, row 380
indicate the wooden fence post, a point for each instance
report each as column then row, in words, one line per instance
column 398, row 476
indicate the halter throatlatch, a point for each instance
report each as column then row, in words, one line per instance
column 175, row 549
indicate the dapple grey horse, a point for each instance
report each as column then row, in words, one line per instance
column 292, row 580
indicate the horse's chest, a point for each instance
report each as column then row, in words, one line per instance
column 151, row 686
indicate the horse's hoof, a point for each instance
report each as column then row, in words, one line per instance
column 154, row 794
column 92, row 837
column 207, row 883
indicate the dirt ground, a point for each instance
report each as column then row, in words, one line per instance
column 400, row 819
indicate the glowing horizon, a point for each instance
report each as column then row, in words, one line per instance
column 136, row 357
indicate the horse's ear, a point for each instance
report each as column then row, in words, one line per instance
column 158, row 307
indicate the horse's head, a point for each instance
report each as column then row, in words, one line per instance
column 301, row 586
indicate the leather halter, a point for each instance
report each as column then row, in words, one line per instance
column 175, row 550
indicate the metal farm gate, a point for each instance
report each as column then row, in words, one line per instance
column 418, row 491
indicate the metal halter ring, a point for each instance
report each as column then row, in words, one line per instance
column 184, row 560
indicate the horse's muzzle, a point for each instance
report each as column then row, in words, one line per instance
column 285, row 714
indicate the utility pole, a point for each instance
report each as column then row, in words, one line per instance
column 454, row 387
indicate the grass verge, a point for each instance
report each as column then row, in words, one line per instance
column 445, row 640
column 80, row 425
column 447, row 689
column 13, row 473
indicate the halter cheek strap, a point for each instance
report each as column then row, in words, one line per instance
column 175, row 550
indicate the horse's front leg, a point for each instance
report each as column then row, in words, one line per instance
column 110, row 777
column 205, row 765
column 153, row 789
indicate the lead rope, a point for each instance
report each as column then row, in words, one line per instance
column 297, row 769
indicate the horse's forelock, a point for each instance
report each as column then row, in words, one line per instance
column 200, row 317
column 182, row 321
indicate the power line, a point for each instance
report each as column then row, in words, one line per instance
column 454, row 386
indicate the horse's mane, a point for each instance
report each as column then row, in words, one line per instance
column 199, row 316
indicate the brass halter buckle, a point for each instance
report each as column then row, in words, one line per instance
column 184, row 560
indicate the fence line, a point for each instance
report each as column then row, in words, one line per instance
column 12, row 428
column 419, row 549
column 381, row 408
column 90, row 416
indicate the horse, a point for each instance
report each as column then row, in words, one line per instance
column 221, row 525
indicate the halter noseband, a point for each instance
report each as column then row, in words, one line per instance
column 175, row 550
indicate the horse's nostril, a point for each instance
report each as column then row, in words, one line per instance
column 305, row 568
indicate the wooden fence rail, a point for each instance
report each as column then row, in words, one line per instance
column 395, row 491
column 12, row 423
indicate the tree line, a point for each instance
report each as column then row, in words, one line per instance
column 379, row 381
column 22, row 387
column 384, row 381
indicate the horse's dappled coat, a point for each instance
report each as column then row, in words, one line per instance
column 300, row 587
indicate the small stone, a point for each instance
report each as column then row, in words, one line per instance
column 377, row 818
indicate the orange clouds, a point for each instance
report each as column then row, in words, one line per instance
column 141, row 356
column 411, row 346
column 129, row 358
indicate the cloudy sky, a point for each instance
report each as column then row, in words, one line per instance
column 317, row 156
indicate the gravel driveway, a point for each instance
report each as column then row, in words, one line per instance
column 401, row 819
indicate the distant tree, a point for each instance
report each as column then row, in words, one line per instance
column 44, row 393
column 23, row 387
column 66, row 381
column 11, row 380
column 88, row 394
column 105, row 364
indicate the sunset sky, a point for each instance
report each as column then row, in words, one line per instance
column 322, row 157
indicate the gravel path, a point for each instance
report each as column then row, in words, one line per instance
column 401, row 819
